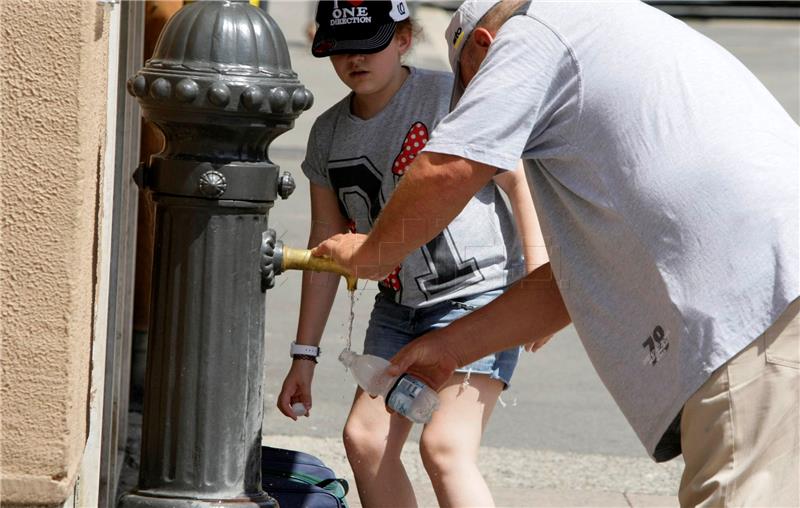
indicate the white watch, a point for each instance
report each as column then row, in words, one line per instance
column 302, row 349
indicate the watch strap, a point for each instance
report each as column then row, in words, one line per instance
column 303, row 349
column 305, row 357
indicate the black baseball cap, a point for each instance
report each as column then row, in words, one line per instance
column 356, row 26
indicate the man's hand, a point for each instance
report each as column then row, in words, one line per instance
column 351, row 252
column 428, row 358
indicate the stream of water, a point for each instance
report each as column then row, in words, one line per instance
column 352, row 318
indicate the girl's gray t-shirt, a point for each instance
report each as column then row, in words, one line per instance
column 363, row 160
column 665, row 178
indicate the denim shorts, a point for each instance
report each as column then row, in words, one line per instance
column 392, row 326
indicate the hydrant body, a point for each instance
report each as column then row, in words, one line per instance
column 220, row 88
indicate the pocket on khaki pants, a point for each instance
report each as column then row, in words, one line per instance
column 782, row 343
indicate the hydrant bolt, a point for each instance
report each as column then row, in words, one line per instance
column 286, row 185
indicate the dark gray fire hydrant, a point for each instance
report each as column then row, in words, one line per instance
column 220, row 87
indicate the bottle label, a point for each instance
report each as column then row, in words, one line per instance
column 402, row 395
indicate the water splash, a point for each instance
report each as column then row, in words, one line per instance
column 465, row 383
column 504, row 403
column 352, row 318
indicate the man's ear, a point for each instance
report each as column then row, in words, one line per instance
column 482, row 37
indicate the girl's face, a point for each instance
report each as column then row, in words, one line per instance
column 367, row 74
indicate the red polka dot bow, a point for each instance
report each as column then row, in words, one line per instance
column 393, row 279
column 413, row 143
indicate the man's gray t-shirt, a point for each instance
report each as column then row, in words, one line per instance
column 363, row 160
column 665, row 178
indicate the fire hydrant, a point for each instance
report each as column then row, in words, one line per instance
column 220, row 88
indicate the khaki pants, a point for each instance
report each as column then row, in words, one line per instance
column 740, row 432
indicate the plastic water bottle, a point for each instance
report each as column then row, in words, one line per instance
column 405, row 394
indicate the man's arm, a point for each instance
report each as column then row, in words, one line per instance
column 531, row 311
column 430, row 195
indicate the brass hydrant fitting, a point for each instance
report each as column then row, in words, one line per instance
column 288, row 258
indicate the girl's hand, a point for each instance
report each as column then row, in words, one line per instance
column 296, row 388
column 535, row 345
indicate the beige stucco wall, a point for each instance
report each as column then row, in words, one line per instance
column 52, row 122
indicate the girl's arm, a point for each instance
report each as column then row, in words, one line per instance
column 318, row 293
column 515, row 185
column 319, row 288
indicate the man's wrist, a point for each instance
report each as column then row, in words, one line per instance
column 373, row 255
column 364, row 259
column 453, row 342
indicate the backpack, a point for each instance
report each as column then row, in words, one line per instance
column 300, row 480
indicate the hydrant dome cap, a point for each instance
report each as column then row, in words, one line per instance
column 223, row 37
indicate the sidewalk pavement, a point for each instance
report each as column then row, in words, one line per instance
column 520, row 478
column 517, row 478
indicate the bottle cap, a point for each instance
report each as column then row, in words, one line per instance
column 347, row 357
column 299, row 409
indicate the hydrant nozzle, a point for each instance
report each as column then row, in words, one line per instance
column 288, row 258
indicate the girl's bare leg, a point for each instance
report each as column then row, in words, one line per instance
column 450, row 442
column 374, row 439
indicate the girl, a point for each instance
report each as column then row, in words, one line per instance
column 357, row 152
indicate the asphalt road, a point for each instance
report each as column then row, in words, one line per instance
column 557, row 402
